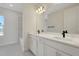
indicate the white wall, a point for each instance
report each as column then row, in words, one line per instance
column 29, row 25
column 78, row 19
column 20, row 26
column 10, row 27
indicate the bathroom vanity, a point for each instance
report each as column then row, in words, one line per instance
column 53, row 45
column 51, row 41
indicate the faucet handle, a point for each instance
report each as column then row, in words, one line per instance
column 63, row 31
column 66, row 31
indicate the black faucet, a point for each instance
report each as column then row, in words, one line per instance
column 38, row 31
column 64, row 31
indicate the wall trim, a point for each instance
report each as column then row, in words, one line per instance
column 5, row 44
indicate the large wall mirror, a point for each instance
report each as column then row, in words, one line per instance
column 62, row 17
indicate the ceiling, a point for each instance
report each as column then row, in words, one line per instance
column 58, row 6
column 53, row 7
column 13, row 6
column 50, row 7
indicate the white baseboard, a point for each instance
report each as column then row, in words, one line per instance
column 8, row 43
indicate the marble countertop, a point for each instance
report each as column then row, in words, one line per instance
column 73, row 41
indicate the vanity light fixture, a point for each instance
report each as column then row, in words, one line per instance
column 40, row 10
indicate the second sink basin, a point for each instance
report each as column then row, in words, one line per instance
column 68, row 39
column 61, row 38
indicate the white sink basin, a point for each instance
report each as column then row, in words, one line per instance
column 68, row 39
column 61, row 38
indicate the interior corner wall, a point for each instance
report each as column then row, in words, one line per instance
column 29, row 25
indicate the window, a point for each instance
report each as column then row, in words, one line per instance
column 1, row 25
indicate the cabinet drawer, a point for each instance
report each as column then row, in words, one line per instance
column 60, row 53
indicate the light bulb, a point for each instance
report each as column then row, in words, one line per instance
column 41, row 8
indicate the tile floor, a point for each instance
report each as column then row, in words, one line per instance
column 13, row 50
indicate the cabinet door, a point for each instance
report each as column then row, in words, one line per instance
column 59, row 53
column 49, row 51
column 40, row 49
column 33, row 45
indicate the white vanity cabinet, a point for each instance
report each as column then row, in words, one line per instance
column 33, row 44
column 40, row 49
column 45, row 49
column 49, row 51
column 36, row 45
column 42, row 46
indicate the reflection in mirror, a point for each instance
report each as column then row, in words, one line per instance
column 62, row 17
column 54, row 22
column 71, row 19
